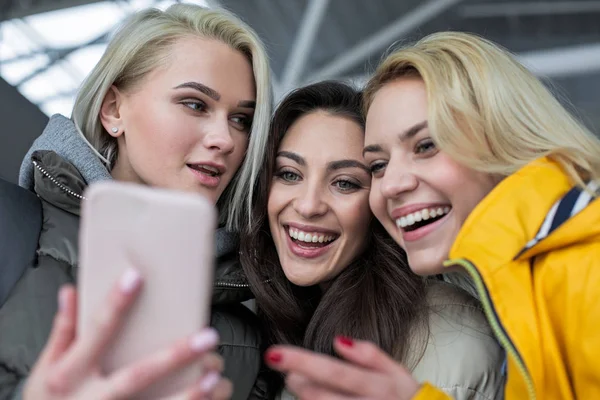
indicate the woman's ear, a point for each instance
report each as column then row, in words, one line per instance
column 110, row 113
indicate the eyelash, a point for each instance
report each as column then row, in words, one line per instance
column 377, row 167
column 423, row 143
column 283, row 173
column 201, row 105
column 245, row 124
column 352, row 185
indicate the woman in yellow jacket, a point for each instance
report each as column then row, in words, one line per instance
column 479, row 171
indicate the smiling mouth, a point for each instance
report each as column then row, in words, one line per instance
column 413, row 221
column 311, row 240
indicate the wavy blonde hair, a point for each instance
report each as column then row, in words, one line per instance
column 486, row 110
column 140, row 46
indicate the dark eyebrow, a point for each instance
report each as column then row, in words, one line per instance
column 334, row 165
column 292, row 156
column 247, row 104
column 372, row 148
column 412, row 131
column 407, row 134
column 212, row 93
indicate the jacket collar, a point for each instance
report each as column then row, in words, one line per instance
column 502, row 225
column 59, row 183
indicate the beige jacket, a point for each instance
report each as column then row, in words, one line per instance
column 461, row 355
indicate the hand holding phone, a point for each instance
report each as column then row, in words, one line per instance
column 169, row 237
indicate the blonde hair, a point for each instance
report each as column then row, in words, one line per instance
column 486, row 110
column 139, row 47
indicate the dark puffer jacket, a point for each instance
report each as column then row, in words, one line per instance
column 26, row 317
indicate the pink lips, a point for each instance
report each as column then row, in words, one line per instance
column 206, row 179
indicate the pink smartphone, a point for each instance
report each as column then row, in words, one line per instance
column 169, row 237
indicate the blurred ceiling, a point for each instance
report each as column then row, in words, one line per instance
column 310, row 40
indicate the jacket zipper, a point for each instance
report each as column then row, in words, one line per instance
column 231, row 285
column 72, row 193
column 57, row 183
column 236, row 285
column 494, row 321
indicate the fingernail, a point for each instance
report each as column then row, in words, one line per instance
column 130, row 280
column 345, row 341
column 204, row 340
column 209, row 382
column 62, row 299
column 273, row 357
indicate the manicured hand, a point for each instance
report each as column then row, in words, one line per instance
column 68, row 367
column 365, row 373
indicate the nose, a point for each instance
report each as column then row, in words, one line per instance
column 398, row 179
column 218, row 136
column 310, row 203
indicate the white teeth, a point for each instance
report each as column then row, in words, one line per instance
column 421, row 215
column 209, row 168
column 310, row 237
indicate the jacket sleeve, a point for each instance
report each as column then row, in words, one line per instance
column 585, row 334
column 241, row 349
column 26, row 320
column 264, row 387
column 429, row 392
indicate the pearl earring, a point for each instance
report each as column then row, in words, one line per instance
column 115, row 129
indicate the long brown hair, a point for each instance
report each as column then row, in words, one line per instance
column 376, row 298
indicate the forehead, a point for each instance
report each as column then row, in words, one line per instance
column 210, row 62
column 324, row 136
column 397, row 106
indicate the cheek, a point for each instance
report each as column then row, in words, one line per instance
column 241, row 146
column 377, row 203
column 357, row 219
column 275, row 204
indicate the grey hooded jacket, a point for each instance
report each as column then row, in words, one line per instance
column 58, row 168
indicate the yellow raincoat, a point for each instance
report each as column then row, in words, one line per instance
column 532, row 246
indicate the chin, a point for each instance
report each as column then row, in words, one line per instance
column 300, row 279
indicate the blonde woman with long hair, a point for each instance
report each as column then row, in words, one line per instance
column 179, row 100
column 481, row 175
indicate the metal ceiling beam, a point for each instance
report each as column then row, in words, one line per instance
column 21, row 9
column 303, row 43
column 372, row 45
column 561, row 62
column 519, row 9
column 556, row 63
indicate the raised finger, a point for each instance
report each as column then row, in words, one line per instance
column 137, row 377
column 211, row 387
column 366, row 354
column 323, row 370
column 305, row 389
column 64, row 326
column 89, row 348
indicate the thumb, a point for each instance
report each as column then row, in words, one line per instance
column 64, row 327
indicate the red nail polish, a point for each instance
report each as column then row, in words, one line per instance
column 345, row 341
column 273, row 357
